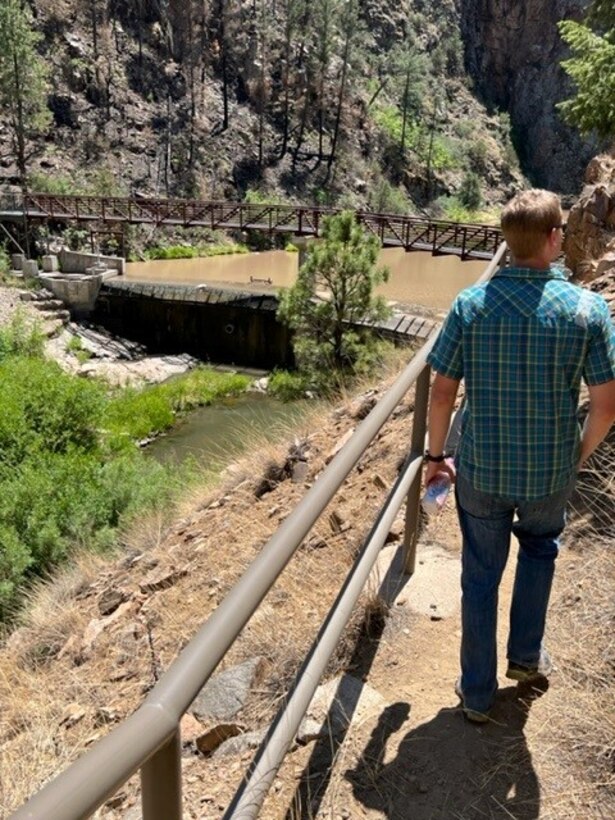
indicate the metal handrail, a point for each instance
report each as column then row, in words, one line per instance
column 407, row 231
column 149, row 738
column 251, row 793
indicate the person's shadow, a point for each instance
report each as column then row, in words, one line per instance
column 449, row 768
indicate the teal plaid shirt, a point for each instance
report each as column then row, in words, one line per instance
column 522, row 342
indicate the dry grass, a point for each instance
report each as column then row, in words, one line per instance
column 62, row 686
column 55, row 693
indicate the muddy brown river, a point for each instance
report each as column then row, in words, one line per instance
column 418, row 279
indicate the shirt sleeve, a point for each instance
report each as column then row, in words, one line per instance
column 446, row 356
column 599, row 364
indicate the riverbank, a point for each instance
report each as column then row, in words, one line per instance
column 71, row 473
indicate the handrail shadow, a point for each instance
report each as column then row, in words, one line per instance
column 317, row 771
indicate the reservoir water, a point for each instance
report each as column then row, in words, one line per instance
column 418, row 279
column 216, row 434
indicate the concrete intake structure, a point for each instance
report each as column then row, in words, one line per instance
column 78, row 282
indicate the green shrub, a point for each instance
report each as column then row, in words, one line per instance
column 104, row 182
column 171, row 252
column 470, row 194
column 389, row 119
column 477, row 155
column 386, row 198
column 69, row 470
column 45, row 184
column 190, row 252
column 58, row 411
column 287, row 386
column 20, row 337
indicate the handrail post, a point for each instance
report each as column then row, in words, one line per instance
column 419, row 429
column 161, row 784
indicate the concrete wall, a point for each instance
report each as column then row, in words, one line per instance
column 226, row 332
column 73, row 262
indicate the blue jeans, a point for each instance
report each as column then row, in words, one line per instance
column 486, row 525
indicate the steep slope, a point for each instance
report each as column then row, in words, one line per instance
column 176, row 99
column 513, row 51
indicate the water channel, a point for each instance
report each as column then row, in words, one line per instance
column 216, row 434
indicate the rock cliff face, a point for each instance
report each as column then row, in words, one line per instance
column 590, row 237
column 513, row 50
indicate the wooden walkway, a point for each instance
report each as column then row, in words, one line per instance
column 412, row 233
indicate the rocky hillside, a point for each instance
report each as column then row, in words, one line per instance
column 513, row 52
column 242, row 98
column 590, row 234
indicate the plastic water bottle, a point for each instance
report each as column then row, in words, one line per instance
column 436, row 493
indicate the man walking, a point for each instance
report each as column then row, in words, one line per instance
column 521, row 343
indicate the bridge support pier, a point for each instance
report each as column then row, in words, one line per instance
column 302, row 243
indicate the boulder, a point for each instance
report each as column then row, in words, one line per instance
column 223, row 697
column 589, row 244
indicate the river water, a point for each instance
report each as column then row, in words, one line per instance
column 416, row 279
column 216, row 434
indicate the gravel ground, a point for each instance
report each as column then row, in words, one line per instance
column 10, row 302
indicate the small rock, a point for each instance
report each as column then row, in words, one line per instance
column 162, row 579
column 340, row 443
column 379, row 482
column 240, row 744
column 299, row 472
column 110, row 600
column 337, row 523
column 97, row 627
column 72, row 715
column 363, row 406
column 72, row 648
column 226, row 693
column 316, row 543
column 209, row 741
column 104, row 716
column 116, row 801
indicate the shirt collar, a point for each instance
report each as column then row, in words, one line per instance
column 530, row 273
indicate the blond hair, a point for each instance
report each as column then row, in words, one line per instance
column 528, row 219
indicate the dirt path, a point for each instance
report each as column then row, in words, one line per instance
column 418, row 758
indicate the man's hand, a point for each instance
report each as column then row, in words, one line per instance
column 441, row 402
column 435, row 467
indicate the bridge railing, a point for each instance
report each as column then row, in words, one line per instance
column 393, row 230
column 149, row 739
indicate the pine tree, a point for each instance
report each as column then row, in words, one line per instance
column 333, row 292
column 23, row 81
column 592, row 109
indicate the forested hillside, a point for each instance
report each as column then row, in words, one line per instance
column 355, row 102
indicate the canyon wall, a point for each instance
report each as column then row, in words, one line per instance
column 513, row 51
